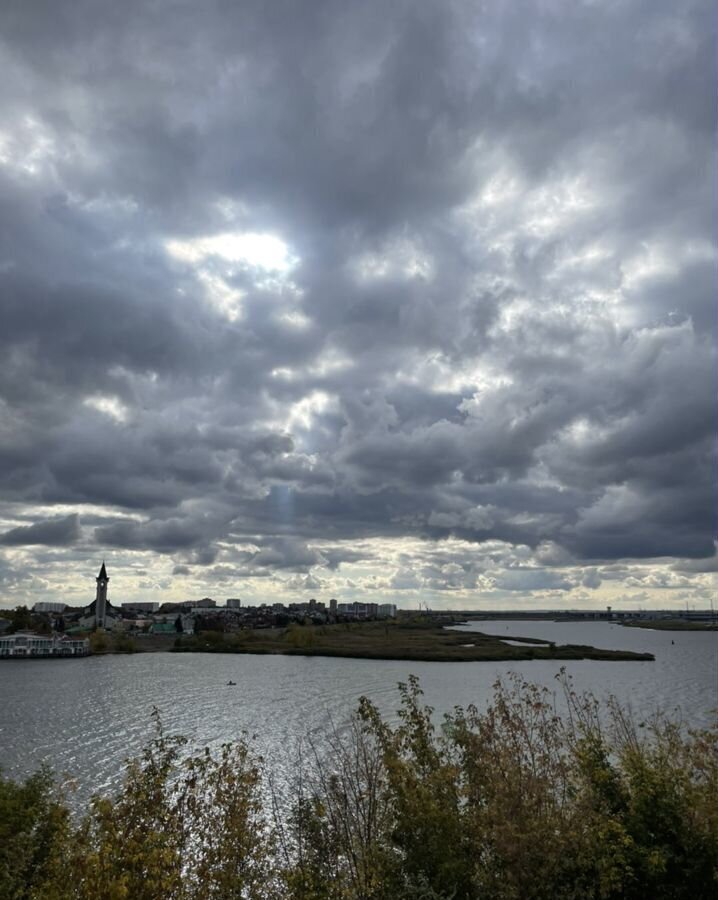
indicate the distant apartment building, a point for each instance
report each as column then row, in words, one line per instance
column 233, row 603
column 204, row 603
column 358, row 610
column 28, row 644
column 333, row 606
column 387, row 610
column 206, row 611
column 141, row 606
column 313, row 606
column 47, row 606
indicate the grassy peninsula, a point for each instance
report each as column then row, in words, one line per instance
column 423, row 641
column 669, row 625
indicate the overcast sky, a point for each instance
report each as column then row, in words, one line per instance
column 408, row 301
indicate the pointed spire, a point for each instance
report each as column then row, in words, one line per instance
column 103, row 573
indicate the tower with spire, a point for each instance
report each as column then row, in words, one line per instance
column 101, row 597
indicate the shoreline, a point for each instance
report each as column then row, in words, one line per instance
column 427, row 641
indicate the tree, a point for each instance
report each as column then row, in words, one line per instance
column 511, row 803
column 34, row 825
column 189, row 827
column 514, row 803
column 20, row 619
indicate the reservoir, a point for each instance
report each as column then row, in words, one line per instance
column 85, row 716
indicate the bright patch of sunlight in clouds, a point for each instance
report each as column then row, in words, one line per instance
column 261, row 251
column 109, row 406
column 303, row 412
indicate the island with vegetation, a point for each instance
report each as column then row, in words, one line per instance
column 664, row 624
column 423, row 639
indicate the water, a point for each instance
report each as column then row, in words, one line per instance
column 85, row 716
column 683, row 679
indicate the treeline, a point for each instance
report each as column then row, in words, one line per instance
column 511, row 803
column 23, row 619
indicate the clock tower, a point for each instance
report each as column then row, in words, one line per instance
column 101, row 597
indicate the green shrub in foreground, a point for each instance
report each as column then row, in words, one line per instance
column 513, row 803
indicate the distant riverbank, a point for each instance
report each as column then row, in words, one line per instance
column 670, row 625
column 424, row 639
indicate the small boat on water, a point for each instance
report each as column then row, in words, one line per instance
column 230, row 682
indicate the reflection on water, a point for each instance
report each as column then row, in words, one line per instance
column 86, row 716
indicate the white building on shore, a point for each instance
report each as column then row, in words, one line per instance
column 28, row 644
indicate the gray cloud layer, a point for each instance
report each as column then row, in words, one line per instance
column 490, row 315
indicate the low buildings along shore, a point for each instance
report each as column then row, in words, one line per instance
column 25, row 644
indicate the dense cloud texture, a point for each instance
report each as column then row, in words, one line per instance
column 402, row 299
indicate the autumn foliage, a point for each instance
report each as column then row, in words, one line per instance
column 515, row 802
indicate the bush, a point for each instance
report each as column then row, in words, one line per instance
column 514, row 803
column 99, row 642
column 123, row 643
column 301, row 637
column 33, row 827
column 179, row 827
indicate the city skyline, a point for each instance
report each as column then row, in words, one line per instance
column 405, row 303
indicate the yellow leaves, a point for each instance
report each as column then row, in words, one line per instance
column 512, row 803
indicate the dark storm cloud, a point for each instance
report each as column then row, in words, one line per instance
column 493, row 320
column 55, row 532
column 528, row 579
column 697, row 565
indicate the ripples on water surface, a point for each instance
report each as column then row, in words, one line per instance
column 85, row 716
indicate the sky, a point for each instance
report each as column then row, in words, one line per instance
column 408, row 302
